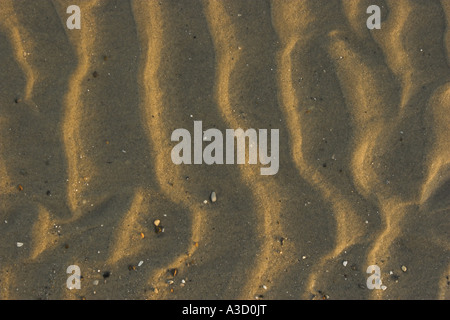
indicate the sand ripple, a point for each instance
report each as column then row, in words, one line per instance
column 85, row 123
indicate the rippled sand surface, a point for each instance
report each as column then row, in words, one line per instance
column 86, row 118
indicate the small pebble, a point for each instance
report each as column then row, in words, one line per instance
column 213, row 197
column 383, row 287
column 159, row 229
column 140, row 263
column 95, row 282
column 173, row 272
column 19, row 244
column 404, row 269
column 345, row 263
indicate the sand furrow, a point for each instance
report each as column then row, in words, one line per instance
column 124, row 244
column 265, row 190
column 414, row 60
column 101, row 129
column 371, row 118
column 41, row 230
column 30, row 145
column 393, row 211
column 29, row 163
column 7, row 287
column 347, row 231
column 438, row 163
column 23, row 46
column 150, row 30
column 377, row 128
column 86, row 119
column 355, row 13
column 396, row 54
column 78, row 165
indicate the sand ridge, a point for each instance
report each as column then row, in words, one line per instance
column 86, row 118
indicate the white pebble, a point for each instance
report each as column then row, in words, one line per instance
column 140, row 263
column 213, row 197
column 19, row 244
column 345, row 263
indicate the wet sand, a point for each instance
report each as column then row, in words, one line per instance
column 86, row 118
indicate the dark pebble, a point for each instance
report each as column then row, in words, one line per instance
column 159, row 229
column 173, row 272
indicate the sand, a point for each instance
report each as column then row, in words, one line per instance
column 86, row 118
